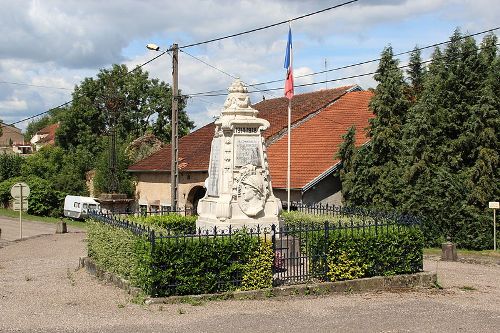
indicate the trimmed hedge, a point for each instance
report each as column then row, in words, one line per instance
column 182, row 265
column 198, row 264
column 357, row 253
column 296, row 219
column 173, row 223
column 118, row 251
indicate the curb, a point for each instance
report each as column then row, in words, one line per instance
column 93, row 269
column 377, row 283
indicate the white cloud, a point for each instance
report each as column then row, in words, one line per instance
column 59, row 42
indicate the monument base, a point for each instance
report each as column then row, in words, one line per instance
column 225, row 215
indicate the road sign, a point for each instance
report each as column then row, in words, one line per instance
column 17, row 205
column 20, row 192
column 20, row 189
column 494, row 204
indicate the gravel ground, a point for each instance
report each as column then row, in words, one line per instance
column 41, row 290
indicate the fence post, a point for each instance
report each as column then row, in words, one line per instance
column 152, row 240
column 325, row 250
column 273, row 237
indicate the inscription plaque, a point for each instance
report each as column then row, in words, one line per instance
column 213, row 170
column 247, row 151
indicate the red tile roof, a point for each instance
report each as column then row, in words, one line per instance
column 50, row 132
column 315, row 143
column 194, row 151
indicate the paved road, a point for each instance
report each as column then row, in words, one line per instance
column 11, row 230
column 41, row 290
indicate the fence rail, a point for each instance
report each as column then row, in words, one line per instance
column 300, row 249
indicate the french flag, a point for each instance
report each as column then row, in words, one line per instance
column 288, row 66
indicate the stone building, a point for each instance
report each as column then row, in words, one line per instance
column 319, row 119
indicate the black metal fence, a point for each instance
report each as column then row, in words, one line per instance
column 185, row 211
column 300, row 249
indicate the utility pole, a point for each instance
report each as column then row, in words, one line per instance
column 174, row 172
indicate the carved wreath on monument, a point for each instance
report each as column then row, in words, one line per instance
column 252, row 190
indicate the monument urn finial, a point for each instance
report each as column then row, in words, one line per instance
column 238, row 100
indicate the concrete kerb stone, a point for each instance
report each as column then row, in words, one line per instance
column 377, row 283
column 114, row 279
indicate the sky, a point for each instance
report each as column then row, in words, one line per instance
column 49, row 46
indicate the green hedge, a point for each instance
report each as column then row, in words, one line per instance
column 356, row 253
column 296, row 219
column 118, row 251
column 197, row 265
column 175, row 223
column 182, row 265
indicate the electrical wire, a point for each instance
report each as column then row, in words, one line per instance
column 268, row 26
column 214, row 92
column 223, row 72
column 358, row 63
column 206, row 42
column 33, row 85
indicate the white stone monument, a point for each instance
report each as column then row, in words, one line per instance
column 239, row 191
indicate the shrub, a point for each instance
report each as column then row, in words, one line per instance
column 258, row 272
column 366, row 252
column 203, row 264
column 182, row 265
column 345, row 266
column 295, row 219
column 174, row 223
column 118, row 251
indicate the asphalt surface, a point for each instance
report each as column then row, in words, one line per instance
column 41, row 290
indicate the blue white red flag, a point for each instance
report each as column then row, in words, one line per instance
column 288, row 66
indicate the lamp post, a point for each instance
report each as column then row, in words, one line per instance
column 174, row 169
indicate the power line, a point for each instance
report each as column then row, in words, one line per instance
column 220, row 70
column 33, row 85
column 343, row 78
column 358, row 63
column 206, row 42
column 269, row 25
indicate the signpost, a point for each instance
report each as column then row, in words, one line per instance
column 20, row 193
column 494, row 205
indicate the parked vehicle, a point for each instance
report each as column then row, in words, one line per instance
column 78, row 207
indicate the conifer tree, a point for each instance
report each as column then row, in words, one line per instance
column 390, row 106
column 416, row 74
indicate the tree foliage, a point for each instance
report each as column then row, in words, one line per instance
column 434, row 148
column 144, row 105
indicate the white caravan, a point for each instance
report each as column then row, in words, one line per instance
column 78, row 207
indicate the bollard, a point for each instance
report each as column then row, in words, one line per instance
column 61, row 228
column 449, row 251
column 0, row 233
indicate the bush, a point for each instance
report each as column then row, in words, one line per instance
column 173, row 223
column 43, row 200
column 118, row 251
column 355, row 253
column 295, row 219
column 182, row 265
column 204, row 264
column 258, row 272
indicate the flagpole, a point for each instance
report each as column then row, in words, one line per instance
column 288, row 159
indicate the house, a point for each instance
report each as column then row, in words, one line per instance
column 12, row 141
column 45, row 136
column 319, row 119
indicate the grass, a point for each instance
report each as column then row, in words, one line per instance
column 46, row 219
column 488, row 253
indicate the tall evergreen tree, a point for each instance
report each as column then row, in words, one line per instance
column 390, row 106
column 416, row 73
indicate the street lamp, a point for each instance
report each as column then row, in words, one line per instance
column 174, row 170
